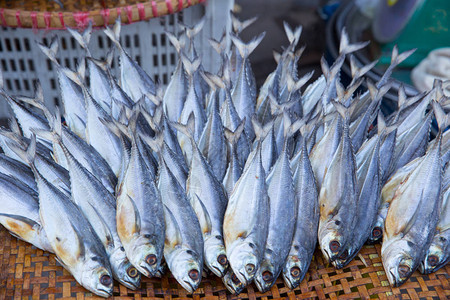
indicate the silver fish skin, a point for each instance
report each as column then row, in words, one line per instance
column 311, row 95
column 119, row 99
column 234, row 169
column 323, row 151
column 411, row 144
column 338, row 196
column 100, row 84
column 176, row 92
column 140, row 216
column 232, row 283
column 416, row 115
column 282, row 203
column 135, row 82
column 307, row 222
column 246, row 224
column 265, row 135
column 100, row 136
column 209, row 201
column 183, row 250
column 99, row 207
column 408, row 234
column 16, row 169
column 19, row 212
column 231, row 121
column 369, row 186
column 71, row 236
column 244, row 91
column 212, row 144
column 438, row 254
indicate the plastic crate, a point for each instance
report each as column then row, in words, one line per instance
column 22, row 62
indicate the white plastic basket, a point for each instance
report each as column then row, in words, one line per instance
column 22, row 62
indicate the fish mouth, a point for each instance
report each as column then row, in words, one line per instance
column 103, row 292
column 288, row 282
column 131, row 285
column 218, row 272
column 245, row 281
column 145, row 271
column 189, row 287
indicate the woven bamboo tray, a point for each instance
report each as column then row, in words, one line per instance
column 46, row 14
column 29, row 273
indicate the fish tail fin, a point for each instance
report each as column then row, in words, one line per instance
column 378, row 93
column 155, row 143
column 295, row 127
column 358, row 72
column 342, row 110
column 233, row 137
column 82, row 38
column 219, row 45
column 293, row 85
column 191, row 32
column 14, row 126
column 177, row 43
column 246, row 49
column 346, row 48
column 190, row 66
column 397, row 58
column 238, row 25
column 292, row 35
column 27, row 155
column 261, row 130
column 213, row 80
column 51, row 50
column 187, row 129
column 114, row 33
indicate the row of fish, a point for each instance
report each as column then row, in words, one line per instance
column 212, row 176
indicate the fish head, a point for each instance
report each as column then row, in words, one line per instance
column 437, row 256
column 332, row 244
column 123, row 270
column 186, row 267
column 295, row 269
column 399, row 262
column 232, row 283
column 265, row 276
column 377, row 232
column 144, row 256
column 95, row 277
column 244, row 260
column 215, row 255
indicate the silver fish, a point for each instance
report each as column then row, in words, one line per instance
column 338, row 196
column 307, row 223
column 140, row 219
column 234, row 169
column 71, row 236
column 183, row 248
column 19, row 212
column 246, row 224
column 232, row 283
column 408, row 234
column 209, row 201
column 16, row 169
column 282, row 203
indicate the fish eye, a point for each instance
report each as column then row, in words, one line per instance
column 132, row 272
column 193, row 274
column 250, row 268
column 251, row 245
column 377, row 232
column 190, row 252
column 222, row 259
column 95, row 258
column 433, row 260
column 334, row 246
column 106, row 280
column 151, row 259
column 218, row 237
column 267, row 276
column 403, row 270
column 295, row 272
column 235, row 279
column 147, row 236
column 122, row 249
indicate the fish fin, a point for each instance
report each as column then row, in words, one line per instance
column 260, row 130
column 52, row 50
column 342, row 110
column 82, row 38
column 397, row 58
column 233, row 137
column 114, row 33
column 357, row 71
column 172, row 228
column 292, row 35
column 202, row 213
column 128, row 218
column 212, row 80
column 109, row 57
column 441, row 118
column 293, row 85
column 27, row 155
column 221, row 45
column 187, row 129
column 276, row 56
column 190, row 66
column 175, row 42
column 14, row 126
column 239, row 26
column 191, row 32
column 155, row 143
column 345, row 47
column 246, row 49
column 297, row 126
column 401, row 96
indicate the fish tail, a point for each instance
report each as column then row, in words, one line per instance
column 51, row 50
column 233, row 137
column 191, row 32
column 82, row 38
column 238, row 25
column 293, row 85
column 441, row 117
column 358, row 72
column 213, row 81
column 114, row 33
column 14, row 126
column 155, row 143
column 292, row 35
column 221, row 45
column 177, row 43
column 397, row 58
column 190, row 66
column 246, row 49
column 187, row 129
column 27, row 155
column 346, row 48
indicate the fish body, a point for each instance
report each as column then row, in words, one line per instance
column 16, row 169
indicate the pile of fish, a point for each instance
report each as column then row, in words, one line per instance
column 212, row 176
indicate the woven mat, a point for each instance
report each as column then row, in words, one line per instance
column 26, row 272
column 46, row 14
